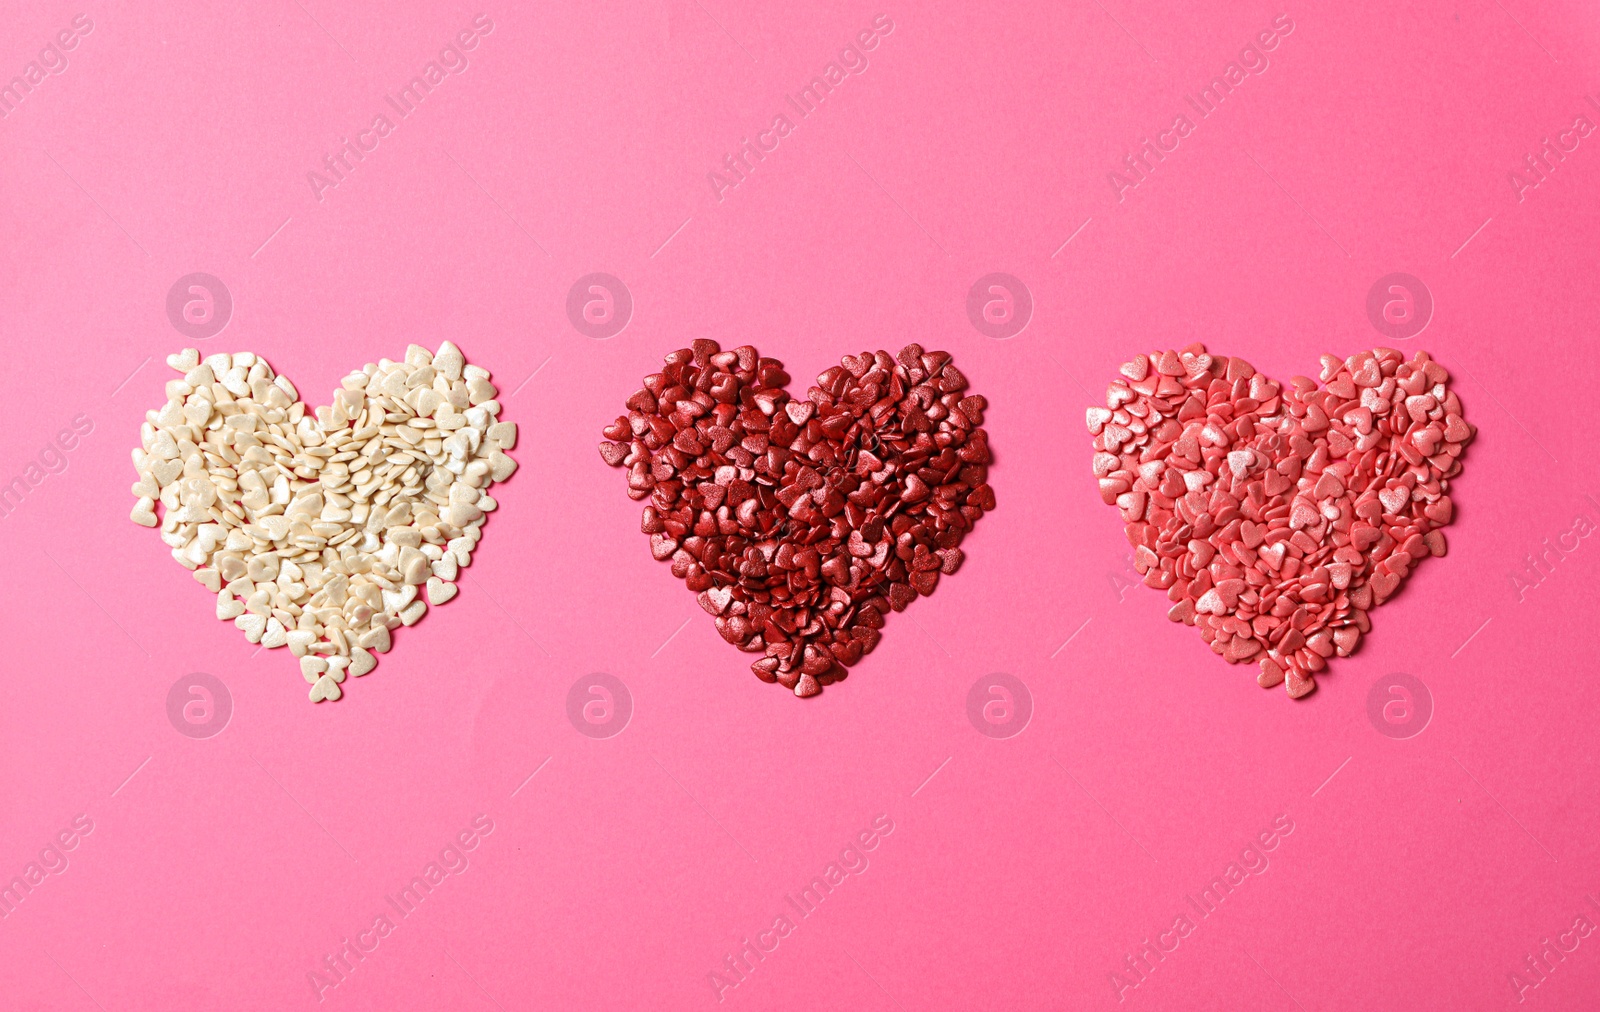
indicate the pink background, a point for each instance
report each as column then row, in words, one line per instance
column 1019, row 872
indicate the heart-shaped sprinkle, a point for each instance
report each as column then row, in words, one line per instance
column 361, row 662
column 313, row 667
column 800, row 523
column 184, row 360
column 1276, row 518
column 439, row 591
column 316, row 529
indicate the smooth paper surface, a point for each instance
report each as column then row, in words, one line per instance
column 459, row 832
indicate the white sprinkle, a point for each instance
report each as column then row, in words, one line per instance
column 439, row 591
column 448, row 361
column 184, row 360
column 254, row 626
column 228, row 606
column 325, row 688
column 312, row 667
column 336, row 667
column 376, row 640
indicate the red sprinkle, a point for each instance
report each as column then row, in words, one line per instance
column 800, row 524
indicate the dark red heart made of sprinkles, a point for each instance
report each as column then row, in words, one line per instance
column 1276, row 518
column 800, row 524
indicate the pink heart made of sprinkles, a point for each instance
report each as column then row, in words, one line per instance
column 1277, row 518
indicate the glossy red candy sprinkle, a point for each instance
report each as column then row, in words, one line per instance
column 1276, row 518
column 801, row 523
